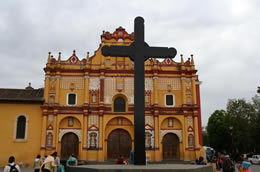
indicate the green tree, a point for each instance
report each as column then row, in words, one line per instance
column 218, row 134
column 241, row 117
column 256, row 124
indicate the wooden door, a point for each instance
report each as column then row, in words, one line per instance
column 69, row 145
column 119, row 143
column 171, row 149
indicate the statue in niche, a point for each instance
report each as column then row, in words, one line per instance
column 148, row 142
column 93, row 140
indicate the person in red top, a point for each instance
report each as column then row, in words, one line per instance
column 121, row 160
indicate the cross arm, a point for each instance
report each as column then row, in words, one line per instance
column 121, row 51
column 160, row 52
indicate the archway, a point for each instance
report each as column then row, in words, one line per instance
column 118, row 143
column 171, row 148
column 69, row 145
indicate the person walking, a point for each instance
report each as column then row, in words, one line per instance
column 12, row 167
column 49, row 164
column 72, row 161
column 228, row 165
column 37, row 163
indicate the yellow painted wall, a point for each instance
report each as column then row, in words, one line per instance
column 11, row 146
column 107, row 121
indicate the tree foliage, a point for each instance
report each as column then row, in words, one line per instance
column 236, row 129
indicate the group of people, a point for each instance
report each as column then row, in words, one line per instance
column 122, row 160
column 227, row 165
column 49, row 163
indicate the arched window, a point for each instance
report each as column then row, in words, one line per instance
column 119, row 104
column 190, row 140
column 49, row 140
column 148, row 142
column 20, row 128
column 93, row 140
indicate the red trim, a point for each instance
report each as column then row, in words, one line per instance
column 101, row 90
column 151, row 127
column 116, row 35
column 190, row 129
column 199, row 114
column 110, row 71
column 171, row 128
column 120, row 125
column 94, row 126
column 190, row 148
column 71, row 128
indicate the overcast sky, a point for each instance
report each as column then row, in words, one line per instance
column 223, row 35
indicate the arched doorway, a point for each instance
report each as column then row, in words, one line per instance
column 171, row 149
column 118, row 143
column 69, row 145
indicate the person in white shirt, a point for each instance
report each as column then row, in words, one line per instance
column 12, row 167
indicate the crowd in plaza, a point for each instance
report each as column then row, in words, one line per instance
column 49, row 163
column 225, row 163
column 52, row 163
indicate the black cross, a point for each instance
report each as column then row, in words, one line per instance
column 139, row 51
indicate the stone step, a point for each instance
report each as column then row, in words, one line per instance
column 142, row 168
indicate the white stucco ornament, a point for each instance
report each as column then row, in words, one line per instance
column 177, row 132
column 65, row 131
column 94, row 83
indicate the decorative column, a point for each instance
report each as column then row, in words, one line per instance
column 85, row 136
column 57, row 87
column 46, row 88
column 199, row 111
column 155, row 90
column 194, row 101
column 102, row 89
column 55, row 130
column 86, row 91
column 157, row 136
column 183, row 90
column 101, row 134
column 196, row 137
column 185, row 139
column 43, row 134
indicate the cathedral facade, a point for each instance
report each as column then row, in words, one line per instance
column 86, row 108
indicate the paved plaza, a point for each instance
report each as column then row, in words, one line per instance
column 255, row 168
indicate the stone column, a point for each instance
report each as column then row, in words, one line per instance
column 155, row 90
column 102, row 84
column 57, row 88
column 85, row 136
column 101, row 134
column 196, row 132
column 46, row 88
column 194, row 101
column 55, row 131
column 157, row 136
column 43, row 134
column 185, row 139
column 196, row 137
column 183, row 90
column 86, row 91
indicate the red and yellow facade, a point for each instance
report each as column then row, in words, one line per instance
column 96, row 83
